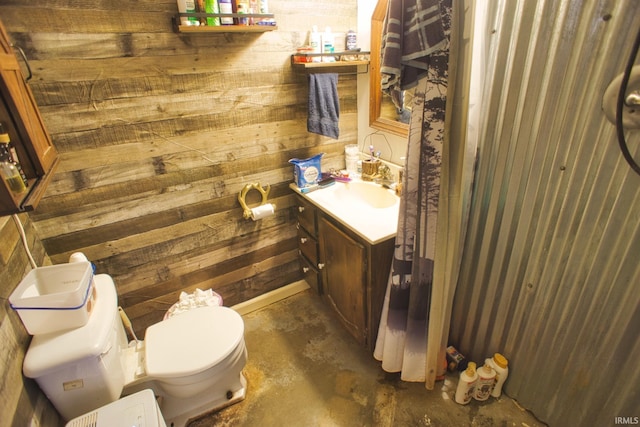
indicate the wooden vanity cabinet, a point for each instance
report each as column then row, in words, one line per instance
column 344, row 277
column 21, row 119
column 348, row 271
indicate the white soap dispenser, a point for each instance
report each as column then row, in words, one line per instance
column 328, row 42
column 315, row 41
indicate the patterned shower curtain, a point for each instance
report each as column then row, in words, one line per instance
column 402, row 336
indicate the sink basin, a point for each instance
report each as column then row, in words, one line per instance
column 368, row 209
column 366, row 193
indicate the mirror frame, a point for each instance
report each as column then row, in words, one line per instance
column 375, row 92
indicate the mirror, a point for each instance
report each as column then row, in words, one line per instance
column 383, row 114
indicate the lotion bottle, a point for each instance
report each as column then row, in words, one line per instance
column 466, row 384
column 486, row 379
column 328, row 42
column 315, row 41
column 499, row 364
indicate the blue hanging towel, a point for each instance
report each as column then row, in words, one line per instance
column 324, row 106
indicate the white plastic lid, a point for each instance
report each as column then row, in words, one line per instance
column 192, row 341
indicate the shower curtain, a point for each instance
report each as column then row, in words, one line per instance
column 401, row 345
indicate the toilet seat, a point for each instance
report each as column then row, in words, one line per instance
column 192, row 342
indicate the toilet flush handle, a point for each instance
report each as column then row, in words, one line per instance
column 106, row 350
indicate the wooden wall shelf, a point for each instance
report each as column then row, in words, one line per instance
column 342, row 62
column 235, row 28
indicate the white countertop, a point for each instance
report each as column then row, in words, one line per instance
column 366, row 208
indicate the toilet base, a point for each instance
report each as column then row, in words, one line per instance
column 179, row 412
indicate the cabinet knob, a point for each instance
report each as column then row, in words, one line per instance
column 303, row 240
column 305, row 269
column 320, row 266
column 300, row 208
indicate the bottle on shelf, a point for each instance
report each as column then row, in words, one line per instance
column 315, row 41
column 254, row 7
column 352, row 40
column 328, row 45
column 211, row 6
column 225, row 6
column 9, row 172
column 187, row 6
column 5, row 141
column 241, row 9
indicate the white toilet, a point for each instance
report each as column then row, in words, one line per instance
column 192, row 361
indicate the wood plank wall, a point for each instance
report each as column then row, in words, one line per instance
column 158, row 133
column 21, row 401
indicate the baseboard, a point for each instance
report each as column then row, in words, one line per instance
column 271, row 297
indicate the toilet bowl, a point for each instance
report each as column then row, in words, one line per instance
column 192, row 361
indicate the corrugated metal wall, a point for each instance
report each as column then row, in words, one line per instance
column 551, row 269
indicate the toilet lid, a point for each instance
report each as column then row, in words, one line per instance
column 192, row 341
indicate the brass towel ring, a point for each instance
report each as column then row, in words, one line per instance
column 246, row 212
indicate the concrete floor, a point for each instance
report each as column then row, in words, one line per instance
column 303, row 369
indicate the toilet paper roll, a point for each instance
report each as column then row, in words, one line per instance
column 262, row 211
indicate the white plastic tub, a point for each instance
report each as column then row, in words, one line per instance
column 54, row 298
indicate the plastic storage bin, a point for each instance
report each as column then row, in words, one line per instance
column 54, row 298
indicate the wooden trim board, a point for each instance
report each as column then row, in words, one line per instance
column 271, row 297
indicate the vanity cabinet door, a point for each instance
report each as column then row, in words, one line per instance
column 344, row 277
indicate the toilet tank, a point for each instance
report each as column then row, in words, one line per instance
column 82, row 369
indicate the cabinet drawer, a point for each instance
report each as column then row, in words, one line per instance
column 306, row 215
column 310, row 274
column 308, row 245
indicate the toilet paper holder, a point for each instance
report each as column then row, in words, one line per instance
column 246, row 211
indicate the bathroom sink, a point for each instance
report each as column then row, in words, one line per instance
column 367, row 193
column 367, row 208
